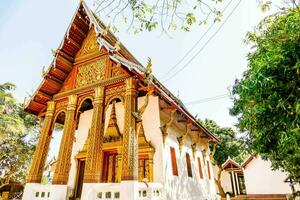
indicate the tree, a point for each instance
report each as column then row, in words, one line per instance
column 230, row 146
column 18, row 133
column 169, row 15
column 166, row 14
column 266, row 98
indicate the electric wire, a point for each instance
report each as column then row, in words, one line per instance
column 195, row 45
column 202, row 48
column 208, row 99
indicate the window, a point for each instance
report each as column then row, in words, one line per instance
column 188, row 165
column 200, row 168
column 208, row 169
column 174, row 163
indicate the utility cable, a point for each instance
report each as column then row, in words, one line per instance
column 195, row 45
column 202, row 48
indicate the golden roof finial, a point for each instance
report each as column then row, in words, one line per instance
column 105, row 31
column 117, row 45
column 149, row 66
column 53, row 52
column 24, row 102
column 44, row 71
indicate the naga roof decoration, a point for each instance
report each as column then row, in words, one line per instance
column 58, row 71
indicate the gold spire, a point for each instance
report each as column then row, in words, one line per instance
column 112, row 128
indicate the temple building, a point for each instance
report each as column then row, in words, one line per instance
column 125, row 136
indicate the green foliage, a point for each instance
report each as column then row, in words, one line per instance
column 230, row 145
column 18, row 134
column 266, row 98
column 150, row 15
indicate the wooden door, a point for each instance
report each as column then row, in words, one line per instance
column 79, row 181
column 109, row 167
column 143, row 168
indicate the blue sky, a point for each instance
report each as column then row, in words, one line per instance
column 29, row 29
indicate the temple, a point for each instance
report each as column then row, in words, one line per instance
column 125, row 136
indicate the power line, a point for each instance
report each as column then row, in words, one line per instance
column 204, row 100
column 194, row 46
column 198, row 52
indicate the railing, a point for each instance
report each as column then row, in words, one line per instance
column 103, row 191
column 151, row 191
column 112, row 191
column 35, row 191
column 41, row 192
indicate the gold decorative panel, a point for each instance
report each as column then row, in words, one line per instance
column 91, row 73
column 89, row 44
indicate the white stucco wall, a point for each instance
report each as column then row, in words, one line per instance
column 225, row 180
column 182, row 186
column 260, row 179
column 80, row 138
column 151, row 123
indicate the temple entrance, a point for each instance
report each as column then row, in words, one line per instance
column 80, row 175
column 109, row 167
column 144, row 168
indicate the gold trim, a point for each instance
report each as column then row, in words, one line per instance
column 89, row 88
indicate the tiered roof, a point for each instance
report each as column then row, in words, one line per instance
column 64, row 57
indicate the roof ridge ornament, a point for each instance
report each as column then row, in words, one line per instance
column 117, row 45
column 44, row 72
column 105, row 31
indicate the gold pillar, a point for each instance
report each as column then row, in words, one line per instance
column 41, row 151
column 151, row 169
column 119, row 165
column 63, row 164
column 130, row 138
column 94, row 161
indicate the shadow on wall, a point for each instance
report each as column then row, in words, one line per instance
column 184, row 187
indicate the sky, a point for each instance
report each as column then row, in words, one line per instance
column 29, row 29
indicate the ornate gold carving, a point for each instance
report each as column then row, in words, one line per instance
column 89, row 44
column 63, row 165
column 91, row 73
column 117, row 72
column 89, row 88
column 40, row 155
column 211, row 156
column 115, row 92
column 117, row 45
column 61, row 105
column 112, row 130
column 94, row 161
column 165, row 127
column 181, row 139
column 130, row 144
column 194, row 148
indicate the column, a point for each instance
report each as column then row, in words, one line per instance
column 41, row 151
column 151, row 169
column 119, row 165
column 63, row 164
column 130, row 139
column 94, row 161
